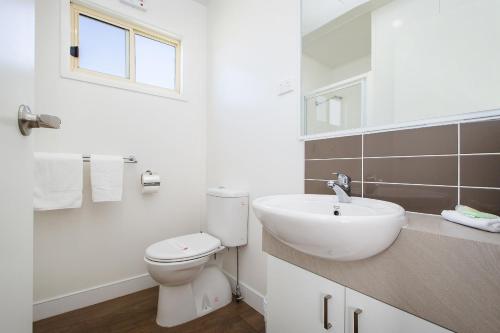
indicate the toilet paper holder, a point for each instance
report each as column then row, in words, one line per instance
column 150, row 181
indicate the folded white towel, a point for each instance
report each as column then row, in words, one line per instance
column 58, row 181
column 491, row 225
column 106, row 177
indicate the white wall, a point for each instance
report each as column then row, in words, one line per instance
column 100, row 243
column 252, row 132
column 316, row 75
column 434, row 58
column 351, row 69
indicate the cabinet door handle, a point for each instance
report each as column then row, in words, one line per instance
column 326, row 324
column 355, row 325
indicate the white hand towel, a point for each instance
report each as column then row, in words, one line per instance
column 106, row 177
column 491, row 225
column 58, row 181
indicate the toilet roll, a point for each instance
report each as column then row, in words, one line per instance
column 150, row 182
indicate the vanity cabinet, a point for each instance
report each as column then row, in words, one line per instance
column 297, row 301
column 374, row 316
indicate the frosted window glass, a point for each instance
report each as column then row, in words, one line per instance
column 154, row 62
column 103, row 47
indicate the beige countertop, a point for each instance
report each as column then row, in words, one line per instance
column 435, row 224
column 440, row 271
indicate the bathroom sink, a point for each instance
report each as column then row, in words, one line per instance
column 321, row 226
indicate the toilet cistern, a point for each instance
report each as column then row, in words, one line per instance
column 341, row 186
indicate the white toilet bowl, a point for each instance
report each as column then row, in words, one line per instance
column 188, row 289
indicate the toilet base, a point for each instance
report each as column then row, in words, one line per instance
column 209, row 291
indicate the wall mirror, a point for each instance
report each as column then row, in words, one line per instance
column 378, row 64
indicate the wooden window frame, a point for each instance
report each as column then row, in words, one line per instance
column 133, row 30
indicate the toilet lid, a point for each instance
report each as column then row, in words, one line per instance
column 183, row 247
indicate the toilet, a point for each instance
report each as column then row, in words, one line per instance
column 189, row 287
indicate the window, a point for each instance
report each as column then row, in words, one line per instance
column 103, row 47
column 154, row 62
column 107, row 47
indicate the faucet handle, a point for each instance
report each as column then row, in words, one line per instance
column 338, row 174
column 341, row 186
column 342, row 178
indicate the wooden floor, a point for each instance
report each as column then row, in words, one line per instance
column 137, row 312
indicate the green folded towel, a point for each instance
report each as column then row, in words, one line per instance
column 471, row 212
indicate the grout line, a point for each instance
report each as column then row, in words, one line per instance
column 480, row 187
column 333, row 158
column 410, row 156
column 458, row 162
column 400, row 156
column 325, row 180
column 478, row 154
column 363, row 166
column 410, row 184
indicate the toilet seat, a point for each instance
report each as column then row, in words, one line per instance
column 183, row 248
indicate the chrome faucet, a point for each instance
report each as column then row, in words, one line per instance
column 341, row 186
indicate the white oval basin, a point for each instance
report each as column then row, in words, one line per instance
column 307, row 223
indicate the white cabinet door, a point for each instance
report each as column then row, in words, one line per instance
column 296, row 300
column 378, row 317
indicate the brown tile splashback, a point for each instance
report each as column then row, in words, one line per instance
column 323, row 169
column 442, row 170
column 480, row 170
column 348, row 146
column 437, row 140
column 426, row 184
column 423, row 199
column 487, row 200
column 480, row 137
column 319, row 187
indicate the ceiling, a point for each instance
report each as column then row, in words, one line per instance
column 316, row 13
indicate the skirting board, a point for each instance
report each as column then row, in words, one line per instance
column 251, row 296
column 80, row 299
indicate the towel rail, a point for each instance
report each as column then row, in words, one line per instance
column 126, row 159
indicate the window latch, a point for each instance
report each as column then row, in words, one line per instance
column 73, row 50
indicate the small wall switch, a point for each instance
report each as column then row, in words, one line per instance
column 285, row 87
column 139, row 4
